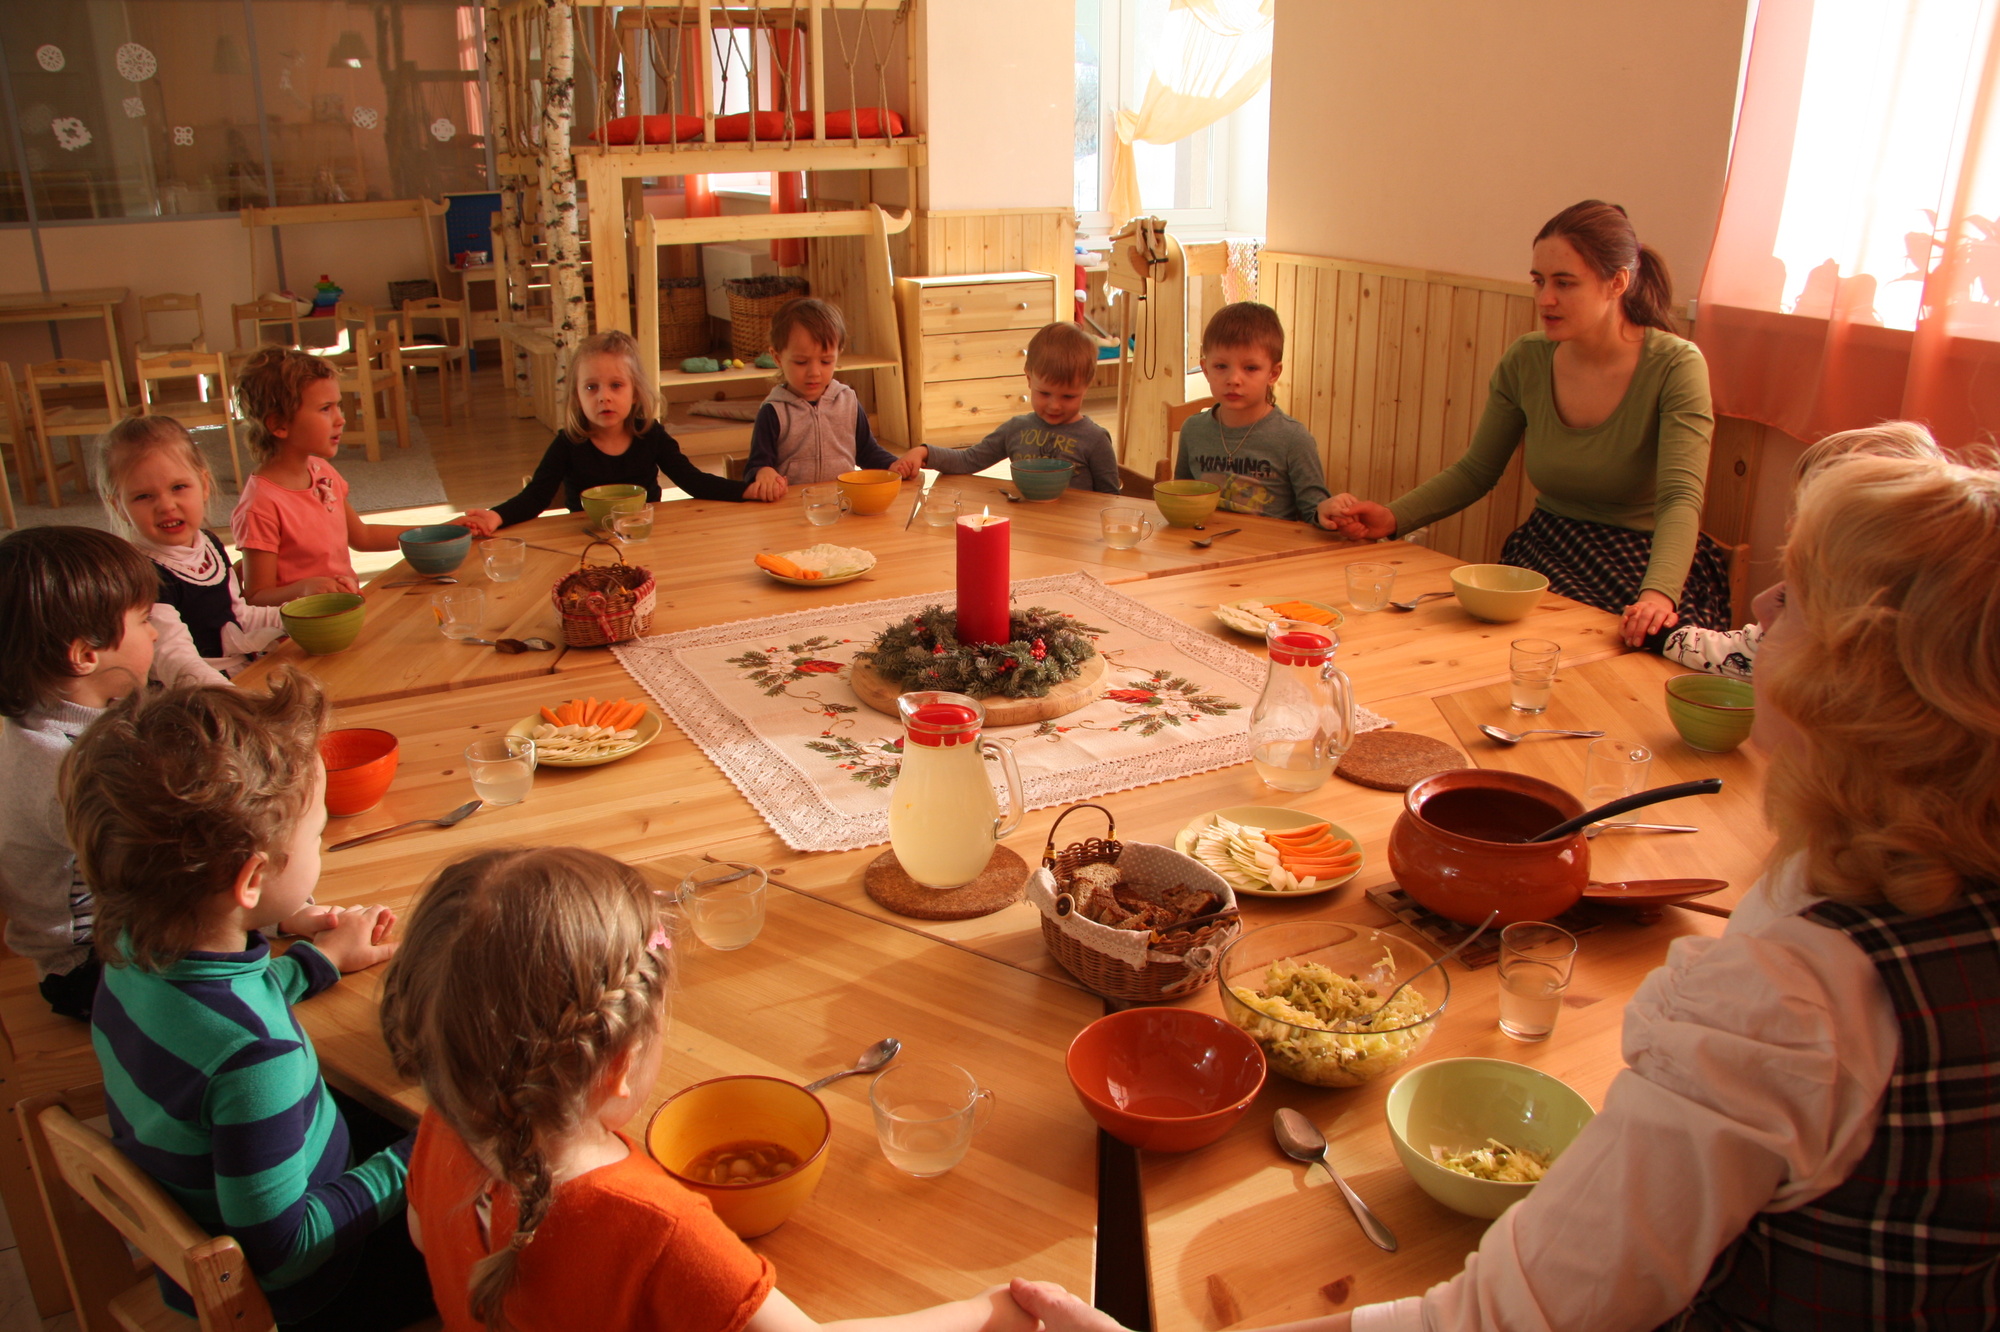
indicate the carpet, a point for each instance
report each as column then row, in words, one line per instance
column 404, row 479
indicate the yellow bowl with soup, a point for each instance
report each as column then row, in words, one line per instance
column 755, row 1147
column 870, row 490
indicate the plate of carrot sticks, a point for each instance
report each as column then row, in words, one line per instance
column 1270, row 851
column 584, row 732
column 823, row 565
column 1250, row 617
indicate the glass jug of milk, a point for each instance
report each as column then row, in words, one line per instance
column 943, row 815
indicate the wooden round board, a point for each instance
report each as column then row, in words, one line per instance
column 880, row 694
column 997, row 886
column 1389, row 760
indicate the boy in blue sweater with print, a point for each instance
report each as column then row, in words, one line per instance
column 196, row 816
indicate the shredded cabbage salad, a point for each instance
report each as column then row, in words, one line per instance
column 1495, row 1161
column 1312, row 996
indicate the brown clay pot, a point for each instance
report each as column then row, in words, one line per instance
column 1462, row 876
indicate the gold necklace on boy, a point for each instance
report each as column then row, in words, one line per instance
column 1229, row 452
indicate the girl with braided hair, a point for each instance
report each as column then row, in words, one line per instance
column 531, row 1004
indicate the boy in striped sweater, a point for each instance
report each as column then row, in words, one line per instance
column 196, row 816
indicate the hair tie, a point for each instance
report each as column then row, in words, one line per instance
column 660, row 942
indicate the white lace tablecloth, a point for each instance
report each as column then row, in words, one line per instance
column 768, row 701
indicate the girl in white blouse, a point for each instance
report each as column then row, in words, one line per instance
column 1807, row 1133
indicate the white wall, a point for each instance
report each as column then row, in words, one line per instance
column 1441, row 134
column 999, row 102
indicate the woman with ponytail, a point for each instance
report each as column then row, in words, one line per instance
column 531, row 1004
column 1613, row 407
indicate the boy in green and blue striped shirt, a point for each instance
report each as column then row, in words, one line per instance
column 196, row 816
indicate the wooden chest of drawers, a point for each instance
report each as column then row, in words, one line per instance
column 965, row 344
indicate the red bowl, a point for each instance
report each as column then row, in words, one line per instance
column 1165, row 1079
column 360, row 764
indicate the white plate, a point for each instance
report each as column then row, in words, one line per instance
column 828, row 580
column 1272, row 817
column 648, row 729
column 1235, row 615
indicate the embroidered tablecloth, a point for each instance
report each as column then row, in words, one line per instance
column 768, row 701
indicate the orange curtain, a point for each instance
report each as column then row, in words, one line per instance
column 788, row 188
column 1855, row 274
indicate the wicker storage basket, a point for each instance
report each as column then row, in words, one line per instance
column 752, row 302
column 1176, row 963
column 601, row 604
column 683, row 318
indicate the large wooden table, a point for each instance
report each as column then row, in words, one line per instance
column 35, row 307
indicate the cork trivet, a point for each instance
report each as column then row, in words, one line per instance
column 1397, row 760
column 998, row 885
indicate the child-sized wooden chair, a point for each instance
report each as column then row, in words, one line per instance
column 79, row 399
column 171, row 303
column 94, row 1196
column 210, row 404
column 453, row 350
column 16, row 433
column 274, row 321
column 371, row 371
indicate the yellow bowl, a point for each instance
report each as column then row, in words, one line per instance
column 600, row 503
column 1186, row 503
column 1459, row 1103
column 870, row 490
column 1497, row 593
column 737, row 1109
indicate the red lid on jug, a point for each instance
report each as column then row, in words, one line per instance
column 1300, row 647
column 943, row 724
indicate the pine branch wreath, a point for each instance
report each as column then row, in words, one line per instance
column 1044, row 649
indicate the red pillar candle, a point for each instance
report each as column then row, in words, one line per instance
column 982, row 579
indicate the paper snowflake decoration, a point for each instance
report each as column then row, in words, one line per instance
column 184, row 136
column 442, row 130
column 365, row 117
column 50, row 58
column 135, row 107
column 285, row 79
column 70, row 133
column 135, row 63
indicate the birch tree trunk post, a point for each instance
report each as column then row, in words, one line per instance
column 513, row 271
column 558, row 176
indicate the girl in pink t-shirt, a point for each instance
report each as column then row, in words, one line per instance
column 293, row 522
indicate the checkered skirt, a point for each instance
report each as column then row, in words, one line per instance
column 1910, row 1239
column 1602, row 566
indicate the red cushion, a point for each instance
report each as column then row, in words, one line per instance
column 659, row 129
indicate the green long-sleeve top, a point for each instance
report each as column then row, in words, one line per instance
column 1644, row 467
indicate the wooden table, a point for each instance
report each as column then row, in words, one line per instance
column 817, row 987
column 35, row 307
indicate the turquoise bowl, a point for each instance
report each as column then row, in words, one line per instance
column 324, row 622
column 1458, row 1104
column 1713, row 713
column 436, row 550
column 1042, row 478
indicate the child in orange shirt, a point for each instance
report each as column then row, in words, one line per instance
column 528, row 1199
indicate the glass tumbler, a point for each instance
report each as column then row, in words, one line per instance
column 1537, row 961
column 1531, row 663
column 1369, row 586
column 502, row 768
column 1613, row 769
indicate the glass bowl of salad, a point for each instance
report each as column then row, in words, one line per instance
column 1310, row 993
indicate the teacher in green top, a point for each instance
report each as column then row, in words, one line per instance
column 1614, row 409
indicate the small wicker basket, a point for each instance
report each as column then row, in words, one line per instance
column 602, row 604
column 752, row 302
column 683, row 319
column 1177, row 963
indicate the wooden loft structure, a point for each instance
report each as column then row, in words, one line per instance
column 1163, row 287
column 655, row 79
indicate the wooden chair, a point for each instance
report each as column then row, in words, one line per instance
column 77, row 399
column 371, row 370
column 19, row 435
column 1136, row 485
column 262, row 315
column 454, row 322
column 210, row 405
column 170, row 302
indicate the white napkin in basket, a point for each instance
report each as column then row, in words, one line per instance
column 1145, row 864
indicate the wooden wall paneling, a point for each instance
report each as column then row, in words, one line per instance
column 1436, row 387
column 1409, row 387
column 1339, row 441
column 1520, row 319
column 1367, row 356
column 1305, row 312
column 1732, row 479
column 1388, row 379
column 1462, row 398
column 1326, row 343
column 1285, row 301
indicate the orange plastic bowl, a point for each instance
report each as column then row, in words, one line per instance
column 1165, row 1079
column 733, row 1109
column 870, row 490
column 360, row 764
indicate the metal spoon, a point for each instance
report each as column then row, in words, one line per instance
column 1415, row 602
column 1456, row 949
column 871, row 1059
column 513, row 644
column 1706, row 786
column 427, row 578
column 1301, row 1140
column 1205, row 542
column 1506, row 737
column 1639, row 827
column 456, row 816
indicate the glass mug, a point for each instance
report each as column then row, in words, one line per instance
column 942, row 510
column 502, row 768
column 1125, row 527
column 823, row 504
column 724, row 902
column 1369, row 586
column 506, row 558
column 630, row 525
column 925, row 1115
column 461, row 612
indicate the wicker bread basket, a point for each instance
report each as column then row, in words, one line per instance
column 752, row 302
column 1173, row 964
column 601, row 604
column 683, row 319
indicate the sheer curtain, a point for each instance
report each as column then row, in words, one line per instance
column 1213, row 56
column 1855, row 274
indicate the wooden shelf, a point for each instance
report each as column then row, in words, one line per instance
column 670, row 378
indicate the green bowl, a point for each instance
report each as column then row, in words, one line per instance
column 1459, row 1103
column 1042, row 478
column 600, row 502
column 1713, row 713
column 325, row 622
column 436, row 550
column 1186, row 503
column 1497, row 593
